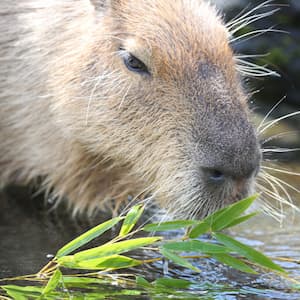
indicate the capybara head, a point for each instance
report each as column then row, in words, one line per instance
column 158, row 95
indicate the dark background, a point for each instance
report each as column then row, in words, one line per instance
column 282, row 54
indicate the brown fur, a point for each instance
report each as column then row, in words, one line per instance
column 72, row 113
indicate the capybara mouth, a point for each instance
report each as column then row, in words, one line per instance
column 205, row 197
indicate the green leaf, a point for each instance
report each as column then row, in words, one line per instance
column 195, row 246
column 131, row 218
column 53, row 282
column 240, row 220
column 67, row 261
column 177, row 259
column 205, row 225
column 234, row 263
column 113, row 262
column 115, row 248
column 172, row 225
column 87, row 282
column 87, row 237
column 231, row 213
column 247, row 252
column 22, row 293
column 199, row 230
column 172, row 283
column 211, row 218
column 141, row 281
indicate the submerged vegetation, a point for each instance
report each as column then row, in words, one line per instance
column 97, row 267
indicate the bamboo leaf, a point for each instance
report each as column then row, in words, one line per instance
column 141, row 281
column 199, row 230
column 112, row 262
column 177, row 259
column 206, row 224
column 195, row 246
column 231, row 213
column 172, row 225
column 131, row 218
column 67, row 261
column 53, row 282
column 240, row 220
column 173, row 283
column 115, row 248
column 87, row 237
column 101, row 263
column 234, row 263
column 22, row 292
column 247, row 252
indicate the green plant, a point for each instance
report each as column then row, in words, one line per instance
column 113, row 255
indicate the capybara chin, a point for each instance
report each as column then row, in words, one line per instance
column 105, row 99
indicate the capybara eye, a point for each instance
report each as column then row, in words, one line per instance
column 134, row 64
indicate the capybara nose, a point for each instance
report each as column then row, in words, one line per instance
column 232, row 166
column 221, row 174
column 214, row 175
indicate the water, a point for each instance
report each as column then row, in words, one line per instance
column 29, row 232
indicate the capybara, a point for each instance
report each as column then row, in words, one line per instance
column 105, row 99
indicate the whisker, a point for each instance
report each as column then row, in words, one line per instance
column 275, row 193
column 125, row 95
column 280, row 201
column 273, row 122
column 252, row 69
column 280, row 135
column 279, row 150
column 272, row 211
column 248, row 21
column 241, row 56
column 284, row 190
column 285, row 183
column 280, row 185
column 250, row 13
column 92, row 94
column 281, row 171
column 255, row 33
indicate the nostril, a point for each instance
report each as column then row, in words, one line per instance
column 215, row 175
